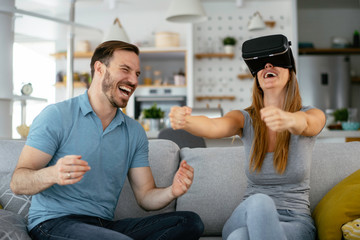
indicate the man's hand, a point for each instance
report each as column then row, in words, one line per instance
column 70, row 169
column 177, row 116
column 276, row 119
column 183, row 179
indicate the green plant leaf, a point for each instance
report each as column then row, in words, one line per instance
column 153, row 112
column 229, row 41
column 341, row 115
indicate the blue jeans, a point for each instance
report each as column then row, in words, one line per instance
column 257, row 218
column 174, row 225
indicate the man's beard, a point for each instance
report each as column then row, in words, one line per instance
column 107, row 87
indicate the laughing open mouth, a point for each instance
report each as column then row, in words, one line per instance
column 270, row 75
column 125, row 90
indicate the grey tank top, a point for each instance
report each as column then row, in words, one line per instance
column 289, row 190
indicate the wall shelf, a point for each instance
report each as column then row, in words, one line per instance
column 214, row 55
column 303, row 51
column 355, row 79
column 171, row 51
column 60, row 55
column 161, row 86
column 154, row 53
column 162, row 49
column 245, row 76
column 76, row 84
column 201, row 98
column 270, row 24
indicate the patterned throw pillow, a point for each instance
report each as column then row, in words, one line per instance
column 15, row 203
column 351, row 230
column 339, row 206
column 10, row 151
column 12, row 226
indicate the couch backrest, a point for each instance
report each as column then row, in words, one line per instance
column 220, row 181
column 331, row 163
column 164, row 158
column 218, row 186
column 164, row 161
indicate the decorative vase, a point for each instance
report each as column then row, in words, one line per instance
column 229, row 49
column 153, row 124
column 23, row 130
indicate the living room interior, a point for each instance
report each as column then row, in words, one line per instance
column 214, row 82
column 46, row 50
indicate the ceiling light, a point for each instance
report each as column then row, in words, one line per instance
column 117, row 32
column 239, row 3
column 186, row 11
column 256, row 22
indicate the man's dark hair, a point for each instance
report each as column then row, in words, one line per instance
column 105, row 51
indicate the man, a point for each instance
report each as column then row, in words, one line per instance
column 79, row 152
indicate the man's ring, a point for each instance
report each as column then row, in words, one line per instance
column 69, row 175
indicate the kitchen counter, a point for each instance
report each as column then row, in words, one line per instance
column 325, row 136
column 339, row 134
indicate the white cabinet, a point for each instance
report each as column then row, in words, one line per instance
column 168, row 61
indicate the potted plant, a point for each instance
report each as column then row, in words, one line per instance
column 153, row 118
column 229, row 44
column 341, row 115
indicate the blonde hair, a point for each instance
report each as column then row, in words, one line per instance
column 292, row 103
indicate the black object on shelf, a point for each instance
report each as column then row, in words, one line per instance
column 356, row 40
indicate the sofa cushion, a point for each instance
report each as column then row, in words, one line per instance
column 218, row 186
column 12, row 226
column 10, row 151
column 339, row 206
column 331, row 163
column 164, row 162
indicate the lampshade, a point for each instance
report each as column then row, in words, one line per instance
column 239, row 3
column 186, row 11
column 116, row 32
column 256, row 22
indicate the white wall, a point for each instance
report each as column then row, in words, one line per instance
column 140, row 25
column 218, row 76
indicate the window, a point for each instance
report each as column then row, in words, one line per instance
column 33, row 64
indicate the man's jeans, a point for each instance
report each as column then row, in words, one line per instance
column 174, row 225
column 257, row 218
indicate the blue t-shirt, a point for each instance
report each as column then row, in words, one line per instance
column 71, row 127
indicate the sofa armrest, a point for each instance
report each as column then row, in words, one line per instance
column 9, row 154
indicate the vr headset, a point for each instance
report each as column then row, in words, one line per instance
column 274, row 49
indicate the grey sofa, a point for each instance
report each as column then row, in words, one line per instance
column 218, row 186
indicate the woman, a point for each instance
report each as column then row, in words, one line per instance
column 278, row 135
